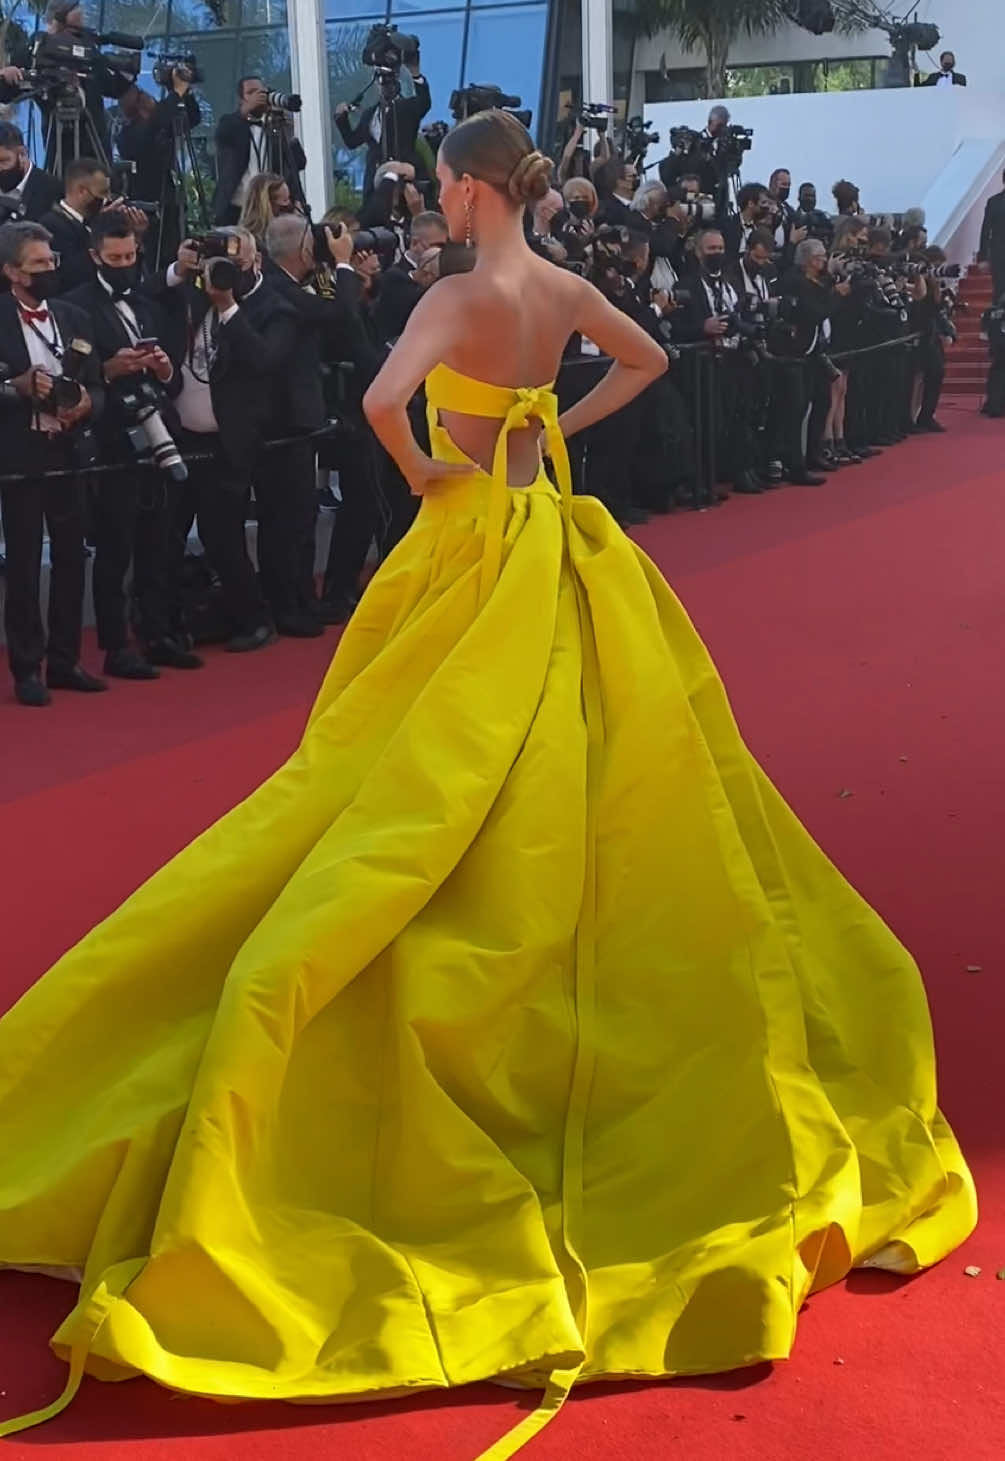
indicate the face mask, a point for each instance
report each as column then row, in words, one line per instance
column 808, row 202
column 579, row 208
column 783, row 194
column 42, row 285
column 11, row 178
column 714, row 263
column 120, row 278
column 245, row 283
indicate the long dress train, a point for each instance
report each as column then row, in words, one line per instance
column 514, row 1028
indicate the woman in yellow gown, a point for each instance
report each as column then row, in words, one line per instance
column 515, row 1028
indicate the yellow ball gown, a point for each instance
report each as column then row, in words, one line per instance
column 514, row 1028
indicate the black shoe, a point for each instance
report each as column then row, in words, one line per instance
column 31, row 691
column 748, row 485
column 338, row 609
column 806, row 479
column 257, row 639
column 300, row 626
column 126, row 664
column 929, row 423
column 884, row 441
column 865, row 451
column 75, row 679
column 844, row 455
column 822, row 462
column 774, row 473
column 170, row 654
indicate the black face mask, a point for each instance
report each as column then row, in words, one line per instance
column 245, row 283
column 42, row 285
column 11, row 178
column 783, row 194
column 579, row 208
column 714, row 264
column 120, row 278
column 808, row 202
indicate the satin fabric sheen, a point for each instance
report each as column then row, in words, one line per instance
column 514, row 1028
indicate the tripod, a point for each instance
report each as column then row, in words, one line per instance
column 175, row 215
column 279, row 156
column 69, row 122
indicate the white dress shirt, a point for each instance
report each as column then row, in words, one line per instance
column 946, row 79
column 256, row 163
column 40, row 355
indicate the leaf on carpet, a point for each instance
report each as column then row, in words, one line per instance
column 972, row 1272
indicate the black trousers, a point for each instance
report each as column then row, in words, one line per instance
column 932, row 359
column 285, row 490
column 736, row 380
column 216, row 497
column 27, row 505
column 994, row 402
column 790, row 400
column 131, row 522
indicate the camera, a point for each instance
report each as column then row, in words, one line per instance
column 699, row 208
column 182, row 65
column 684, row 139
column 284, row 101
column 11, row 208
column 738, row 139
column 140, row 402
column 472, row 99
column 638, row 139
column 594, row 115
column 66, row 393
column 58, row 57
column 388, row 49
column 218, row 255
column 816, row 224
column 380, row 241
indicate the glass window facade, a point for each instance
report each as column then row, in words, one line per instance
column 492, row 42
column 462, row 42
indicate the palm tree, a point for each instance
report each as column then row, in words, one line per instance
column 712, row 26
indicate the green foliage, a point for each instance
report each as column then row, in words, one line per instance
column 711, row 27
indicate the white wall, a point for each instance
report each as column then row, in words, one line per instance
column 971, row 28
column 895, row 145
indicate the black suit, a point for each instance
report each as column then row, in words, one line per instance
column 992, row 245
column 250, row 377
column 131, row 511
column 403, row 121
column 729, row 428
column 71, row 239
column 233, row 154
column 958, row 79
column 34, row 500
column 41, row 192
column 150, row 145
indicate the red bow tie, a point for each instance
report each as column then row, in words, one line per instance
column 33, row 314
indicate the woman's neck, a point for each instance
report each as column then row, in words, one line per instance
column 500, row 239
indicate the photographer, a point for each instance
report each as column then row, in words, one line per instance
column 573, row 226
column 267, row 197
column 86, row 194
column 711, row 314
column 756, row 210
column 993, row 331
column 887, row 375
column 929, row 317
column 616, row 181
column 802, row 370
column 237, row 341
column 846, row 198
column 389, row 127
column 809, row 221
column 779, row 191
column 393, row 203
column 243, row 147
column 403, row 285
column 46, row 348
column 65, row 21
column 575, row 161
column 326, row 295
column 131, row 515
column 35, row 190
column 148, row 141
column 700, row 155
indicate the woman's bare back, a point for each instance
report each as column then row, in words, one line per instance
column 512, row 324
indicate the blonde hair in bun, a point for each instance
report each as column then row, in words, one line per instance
column 494, row 148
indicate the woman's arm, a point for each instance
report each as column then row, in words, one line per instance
column 569, row 152
column 433, row 323
column 638, row 360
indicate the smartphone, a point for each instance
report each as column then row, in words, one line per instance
column 147, row 345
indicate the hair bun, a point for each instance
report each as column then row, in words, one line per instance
column 531, row 178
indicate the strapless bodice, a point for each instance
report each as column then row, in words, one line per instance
column 513, row 407
column 448, row 390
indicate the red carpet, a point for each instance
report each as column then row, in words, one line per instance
column 860, row 628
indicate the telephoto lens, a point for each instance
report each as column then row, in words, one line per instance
column 285, row 101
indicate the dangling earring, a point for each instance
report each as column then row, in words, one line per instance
column 468, row 233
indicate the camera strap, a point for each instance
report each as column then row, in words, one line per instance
column 54, row 346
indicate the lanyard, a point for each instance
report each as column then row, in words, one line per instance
column 53, row 346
